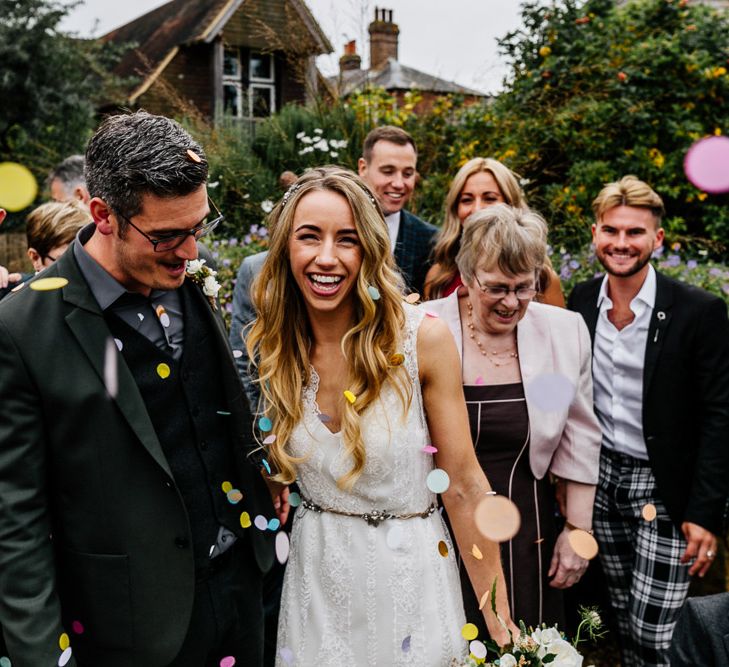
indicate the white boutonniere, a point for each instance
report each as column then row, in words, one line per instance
column 204, row 277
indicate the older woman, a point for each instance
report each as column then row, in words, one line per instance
column 479, row 183
column 526, row 373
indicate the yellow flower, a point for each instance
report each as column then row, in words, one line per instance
column 657, row 157
column 545, row 51
column 717, row 131
column 701, row 196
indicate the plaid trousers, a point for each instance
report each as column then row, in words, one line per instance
column 647, row 583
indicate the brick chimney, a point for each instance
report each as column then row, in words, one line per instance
column 383, row 38
column 350, row 60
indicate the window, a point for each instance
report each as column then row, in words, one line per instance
column 256, row 97
column 232, row 85
column 261, row 90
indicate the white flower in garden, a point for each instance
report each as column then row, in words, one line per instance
column 300, row 135
column 333, row 153
column 215, row 184
column 306, row 140
column 318, row 130
column 211, row 286
column 305, row 150
column 507, row 660
column 322, row 145
column 267, row 205
column 194, row 265
column 246, row 196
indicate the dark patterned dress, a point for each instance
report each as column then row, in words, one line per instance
column 500, row 430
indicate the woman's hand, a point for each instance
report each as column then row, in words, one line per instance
column 280, row 497
column 497, row 631
column 567, row 567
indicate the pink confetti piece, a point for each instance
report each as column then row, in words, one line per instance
column 479, row 380
column 77, row 627
column 429, row 449
column 270, row 439
column 430, row 313
column 228, row 661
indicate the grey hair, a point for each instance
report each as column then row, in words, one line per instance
column 131, row 155
column 70, row 173
column 510, row 239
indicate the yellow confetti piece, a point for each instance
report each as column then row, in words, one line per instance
column 483, row 600
column 64, row 642
column 412, row 298
column 443, row 549
column 163, row 370
column 350, row 396
column 397, row 359
column 48, row 284
column 476, row 552
column 245, row 520
column 226, row 486
column 469, row 632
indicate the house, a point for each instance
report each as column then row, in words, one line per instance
column 386, row 71
column 241, row 58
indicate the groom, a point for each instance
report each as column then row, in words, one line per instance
column 126, row 496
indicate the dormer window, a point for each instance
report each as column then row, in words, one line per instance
column 249, row 84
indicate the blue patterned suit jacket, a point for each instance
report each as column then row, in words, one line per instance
column 412, row 251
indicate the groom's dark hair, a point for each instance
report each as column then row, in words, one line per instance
column 131, row 155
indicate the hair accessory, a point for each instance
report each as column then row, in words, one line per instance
column 292, row 188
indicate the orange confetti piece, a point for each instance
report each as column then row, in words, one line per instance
column 397, row 359
column 476, row 552
column 649, row 512
column 412, row 298
column 443, row 549
column 483, row 600
column 583, row 544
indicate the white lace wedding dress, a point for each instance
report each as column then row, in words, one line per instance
column 362, row 595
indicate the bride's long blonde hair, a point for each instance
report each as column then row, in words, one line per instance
column 279, row 340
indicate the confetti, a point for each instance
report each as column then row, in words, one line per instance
column 77, row 627
column 140, row 316
column 223, row 413
column 550, row 392
column 397, row 359
column 484, row 599
column 273, row 525
column 264, row 424
column 111, row 375
column 282, row 547
column 64, row 641
column 260, row 522
column 412, row 298
column 287, row 655
column 432, row 314
column 266, row 466
column 479, row 380
column 228, row 661
column 237, row 354
column 196, row 158
column 406, row 644
column 164, row 318
column 429, row 449
column 269, row 439
column 443, row 549
column 48, row 284
column 227, row 487
column 477, row 649
column 374, row 293
column 583, row 544
column 497, row 518
column 234, row 496
column 163, row 370
column 18, row 186
column 469, row 632
column 438, row 481
column 5, row 662
column 119, row 344
column 245, row 520
column 394, row 537
column 324, row 419
column 65, row 657
column 349, row 396
column 707, row 164
column 649, row 512
column 294, row 499
column 476, row 552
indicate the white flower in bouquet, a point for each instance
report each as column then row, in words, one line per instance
column 565, row 654
column 545, row 636
column 507, row 660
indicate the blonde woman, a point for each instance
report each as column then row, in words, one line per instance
column 479, row 183
column 348, row 371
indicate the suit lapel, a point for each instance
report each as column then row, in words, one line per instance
column 589, row 308
column 660, row 320
column 88, row 326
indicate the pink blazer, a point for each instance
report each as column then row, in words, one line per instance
column 550, row 340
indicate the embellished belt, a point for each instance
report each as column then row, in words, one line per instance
column 373, row 518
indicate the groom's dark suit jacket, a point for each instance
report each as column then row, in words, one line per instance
column 412, row 249
column 90, row 515
column 685, row 397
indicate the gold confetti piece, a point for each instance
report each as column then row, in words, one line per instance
column 583, row 544
column 245, row 520
column 159, row 310
column 484, row 600
column 163, row 370
column 64, row 642
column 539, row 541
column 476, row 552
column 649, row 512
column 226, row 486
column 48, row 284
column 397, row 359
column 350, row 396
column 497, row 518
column 443, row 549
column 193, row 156
column 469, row 632
column 412, row 298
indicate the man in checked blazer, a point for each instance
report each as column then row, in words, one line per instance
column 126, row 492
column 661, row 389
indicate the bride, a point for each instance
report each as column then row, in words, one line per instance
column 359, row 388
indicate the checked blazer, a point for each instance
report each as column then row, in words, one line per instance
column 685, row 397
column 412, row 250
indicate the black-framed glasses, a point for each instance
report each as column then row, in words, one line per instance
column 174, row 240
column 498, row 292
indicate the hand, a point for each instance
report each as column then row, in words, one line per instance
column 4, row 277
column 280, row 497
column 498, row 632
column 567, row 567
column 701, row 544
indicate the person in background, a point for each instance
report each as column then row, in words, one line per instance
column 510, row 350
column 479, row 183
column 67, row 180
column 8, row 280
column 661, row 371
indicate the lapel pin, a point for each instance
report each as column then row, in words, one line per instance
column 661, row 315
